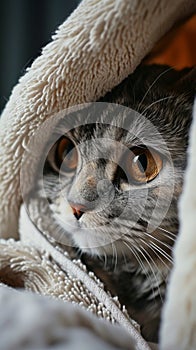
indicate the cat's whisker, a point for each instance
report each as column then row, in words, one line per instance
column 141, row 264
column 169, row 232
column 166, row 235
column 115, row 255
column 156, row 279
column 155, row 252
column 158, row 240
column 161, row 251
column 105, row 258
column 79, row 253
column 150, row 266
column 169, row 235
column 157, row 101
column 124, row 256
column 147, row 273
column 137, row 228
column 151, row 259
column 130, row 225
column 150, row 87
column 132, row 250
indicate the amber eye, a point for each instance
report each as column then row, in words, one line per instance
column 143, row 164
column 66, row 155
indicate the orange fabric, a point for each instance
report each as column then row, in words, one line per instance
column 177, row 48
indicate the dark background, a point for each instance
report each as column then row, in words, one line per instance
column 25, row 27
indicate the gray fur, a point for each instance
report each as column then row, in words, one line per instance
column 133, row 262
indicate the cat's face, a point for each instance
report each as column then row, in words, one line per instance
column 114, row 190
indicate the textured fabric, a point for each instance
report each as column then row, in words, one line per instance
column 41, row 323
column 34, row 264
column 179, row 317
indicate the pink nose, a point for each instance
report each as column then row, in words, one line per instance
column 78, row 210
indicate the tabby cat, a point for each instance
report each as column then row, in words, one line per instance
column 106, row 195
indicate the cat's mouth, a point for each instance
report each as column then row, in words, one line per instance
column 88, row 221
column 78, row 218
column 88, row 232
column 92, row 234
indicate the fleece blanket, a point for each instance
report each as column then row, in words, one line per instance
column 92, row 51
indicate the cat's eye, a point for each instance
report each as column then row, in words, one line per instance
column 66, row 155
column 143, row 164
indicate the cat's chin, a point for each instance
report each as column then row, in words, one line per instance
column 93, row 245
column 100, row 251
column 94, row 241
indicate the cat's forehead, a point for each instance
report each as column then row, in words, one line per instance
column 109, row 136
column 110, row 121
column 98, row 130
column 119, row 123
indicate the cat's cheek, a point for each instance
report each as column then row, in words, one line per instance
column 89, row 245
column 63, row 212
column 63, row 207
column 92, row 241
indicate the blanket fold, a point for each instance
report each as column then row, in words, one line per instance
column 37, row 322
column 52, row 272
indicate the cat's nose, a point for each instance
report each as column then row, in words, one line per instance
column 77, row 209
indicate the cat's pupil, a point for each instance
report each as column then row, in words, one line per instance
column 142, row 162
column 66, row 155
column 67, row 152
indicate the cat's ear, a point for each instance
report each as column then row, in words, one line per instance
column 187, row 81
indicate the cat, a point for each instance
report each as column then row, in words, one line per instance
column 110, row 237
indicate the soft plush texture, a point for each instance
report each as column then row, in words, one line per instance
column 40, row 323
column 35, row 264
column 93, row 50
column 179, row 316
